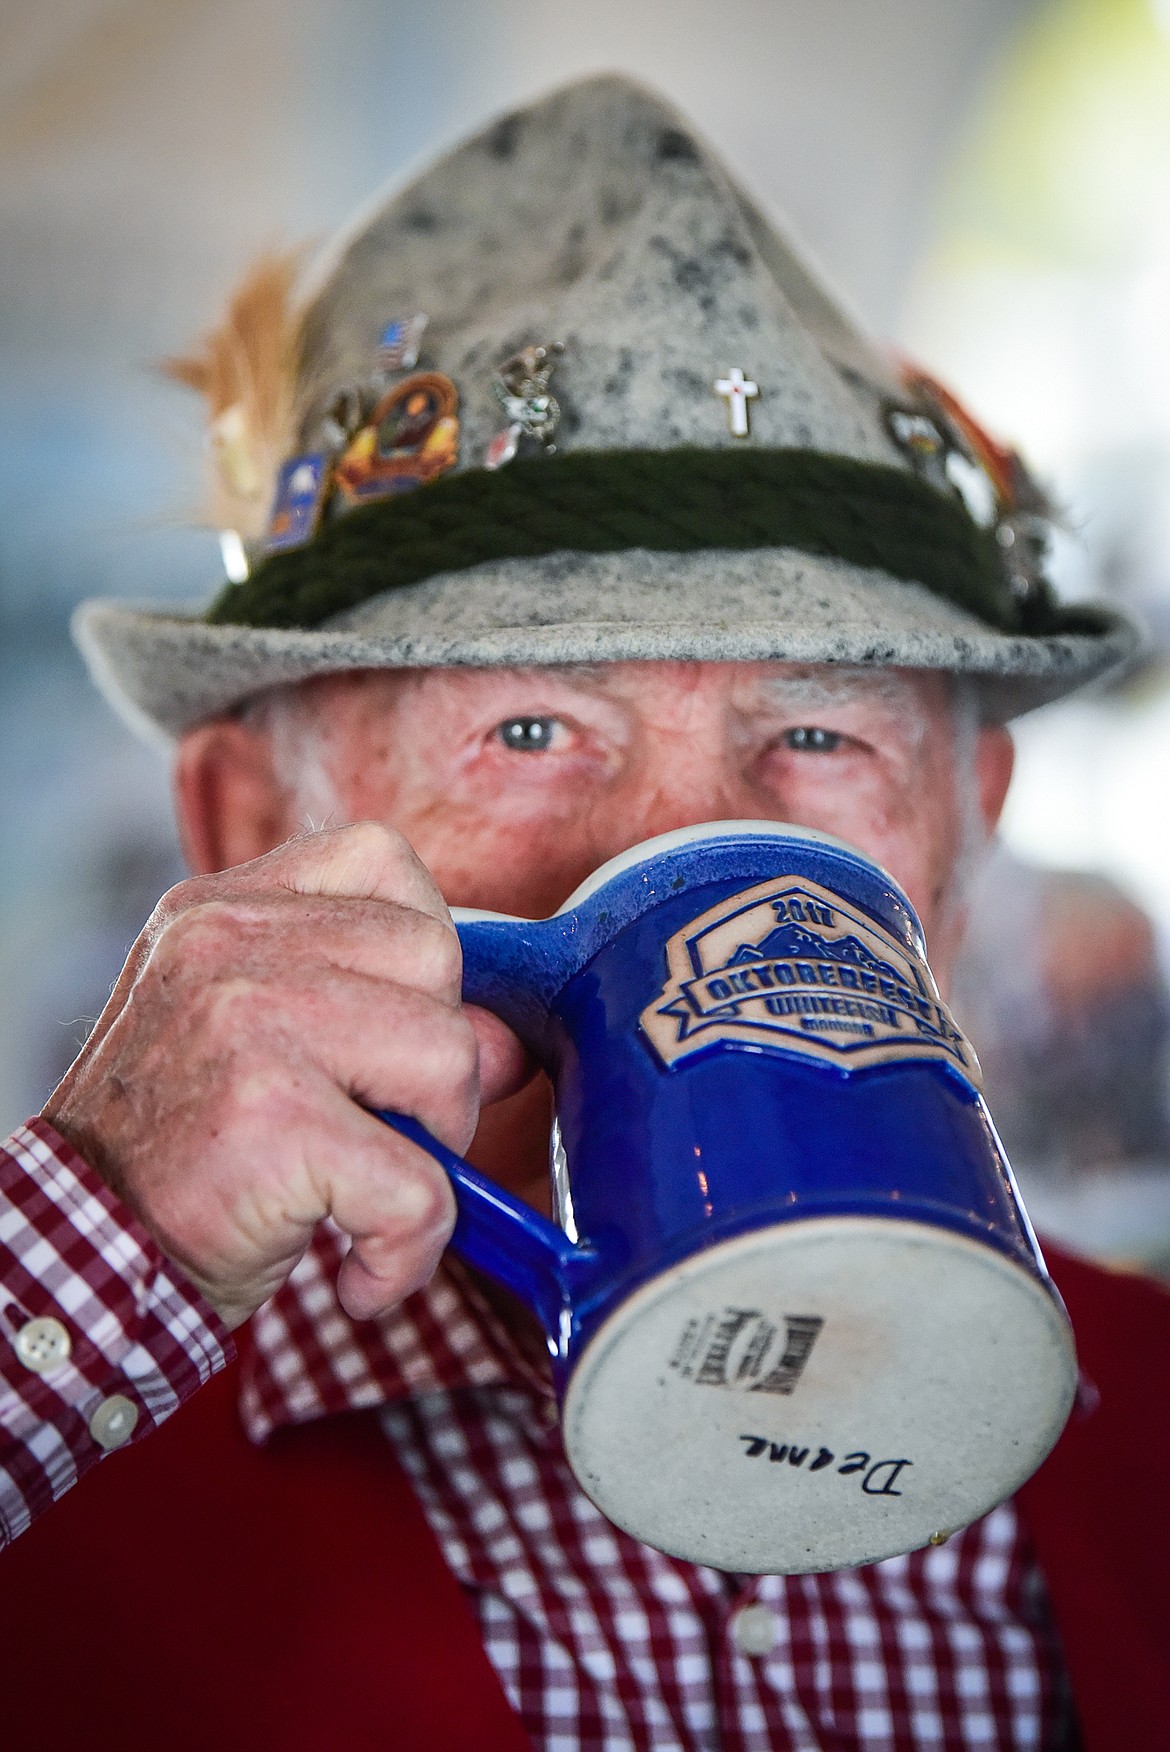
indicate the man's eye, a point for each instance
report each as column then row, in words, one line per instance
column 531, row 735
column 809, row 739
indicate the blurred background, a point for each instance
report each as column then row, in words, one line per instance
column 986, row 181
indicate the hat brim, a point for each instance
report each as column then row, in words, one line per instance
column 164, row 672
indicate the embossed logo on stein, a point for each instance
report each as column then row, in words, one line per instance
column 786, row 962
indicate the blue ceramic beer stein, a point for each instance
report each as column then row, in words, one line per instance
column 797, row 1317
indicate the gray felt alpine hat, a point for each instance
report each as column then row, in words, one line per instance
column 634, row 425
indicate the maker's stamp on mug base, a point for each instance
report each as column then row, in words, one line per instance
column 742, row 1347
column 787, row 963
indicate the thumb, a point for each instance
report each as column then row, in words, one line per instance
column 505, row 1064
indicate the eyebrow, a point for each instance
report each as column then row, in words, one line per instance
column 567, row 671
column 593, row 676
column 837, row 688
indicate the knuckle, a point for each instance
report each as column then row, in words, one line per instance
column 439, row 1080
column 439, row 1048
column 367, row 859
column 432, row 1203
column 371, row 833
column 463, row 1086
column 437, row 953
column 375, row 841
column 177, row 901
column 460, row 1054
column 208, row 930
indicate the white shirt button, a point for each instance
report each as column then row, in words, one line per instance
column 43, row 1345
column 754, row 1630
column 113, row 1421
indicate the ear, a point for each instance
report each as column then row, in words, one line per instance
column 230, row 804
column 995, row 756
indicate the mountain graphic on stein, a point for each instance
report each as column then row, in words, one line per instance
column 791, row 942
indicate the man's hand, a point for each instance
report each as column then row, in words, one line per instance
column 221, row 1093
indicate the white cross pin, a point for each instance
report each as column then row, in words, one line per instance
column 737, row 390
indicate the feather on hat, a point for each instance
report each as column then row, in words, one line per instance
column 246, row 370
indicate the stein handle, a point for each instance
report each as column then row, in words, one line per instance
column 507, row 970
column 502, row 1237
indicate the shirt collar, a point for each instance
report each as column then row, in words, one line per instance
column 307, row 1359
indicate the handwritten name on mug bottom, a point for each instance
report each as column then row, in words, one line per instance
column 857, row 1461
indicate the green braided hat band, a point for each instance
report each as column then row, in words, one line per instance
column 671, row 501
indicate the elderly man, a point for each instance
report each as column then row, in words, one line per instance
column 635, row 532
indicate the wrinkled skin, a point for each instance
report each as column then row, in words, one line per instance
column 294, row 978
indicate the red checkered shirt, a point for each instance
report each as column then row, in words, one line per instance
column 599, row 1641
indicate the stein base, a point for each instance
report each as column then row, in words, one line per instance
column 819, row 1394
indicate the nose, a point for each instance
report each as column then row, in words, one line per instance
column 679, row 781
